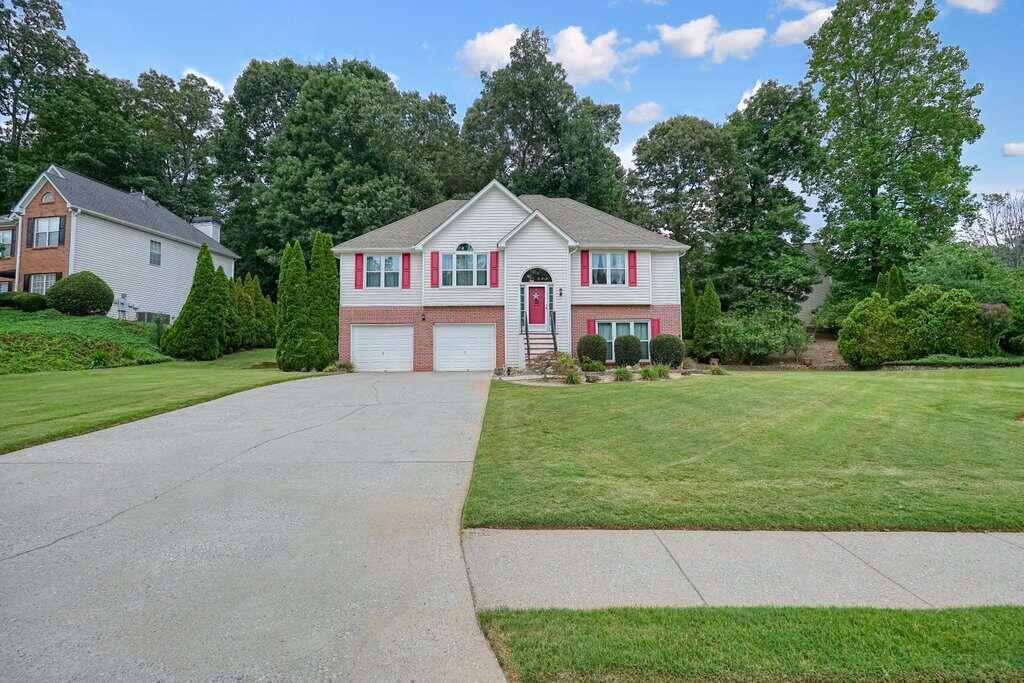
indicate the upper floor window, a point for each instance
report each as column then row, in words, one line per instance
column 154, row 253
column 6, row 239
column 464, row 268
column 608, row 268
column 47, row 232
column 382, row 271
column 47, row 198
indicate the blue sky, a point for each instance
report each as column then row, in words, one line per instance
column 655, row 58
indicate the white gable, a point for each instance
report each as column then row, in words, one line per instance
column 482, row 221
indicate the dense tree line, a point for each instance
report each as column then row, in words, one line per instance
column 876, row 131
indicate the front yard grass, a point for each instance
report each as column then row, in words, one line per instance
column 925, row 450
column 44, row 406
column 759, row 644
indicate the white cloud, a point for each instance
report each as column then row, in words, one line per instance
column 740, row 44
column 692, row 39
column 802, row 5
column 393, row 77
column 748, row 94
column 584, row 60
column 490, row 50
column 980, row 6
column 644, row 48
column 209, row 79
column 625, row 153
column 654, row 2
column 799, row 30
column 1013, row 149
column 645, row 112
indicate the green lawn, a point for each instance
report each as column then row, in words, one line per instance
column 935, row 450
column 759, row 644
column 44, row 406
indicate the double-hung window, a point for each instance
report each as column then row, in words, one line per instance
column 40, row 283
column 608, row 268
column 620, row 328
column 383, row 271
column 47, row 232
column 464, row 268
column 154, row 253
column 6, row 240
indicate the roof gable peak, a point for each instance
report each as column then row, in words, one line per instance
column 493, row 185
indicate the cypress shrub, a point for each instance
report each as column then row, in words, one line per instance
column 628, row 350
column 228, row 314
column 324, row 287
column 872, row 334
column 897, row 288
column 592, row 347
column 689, row 308
column 882, row 284
column 292, row 311
column 81, row 293
column 667, row 349
column 705, row 329
column 264, row 320
column 195, row 334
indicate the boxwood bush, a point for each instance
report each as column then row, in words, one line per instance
column 628, row 350
column 81, row 293
column 591, row 346
column 871, row 334
column 23, row 301
column 667, row 349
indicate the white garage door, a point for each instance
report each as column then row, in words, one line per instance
column 463, row 347
column 381, row 347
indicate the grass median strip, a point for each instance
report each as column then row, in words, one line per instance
column 930, row 450
column 44, row 406
column 759, row 644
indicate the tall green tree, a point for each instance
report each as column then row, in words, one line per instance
column 529, row 129
column 758, row 258
column 897, row 113
column 324, row 288
column 35, row 52
column 705, row 331
column 689, row 312
column 293, row 318
column 196, row 332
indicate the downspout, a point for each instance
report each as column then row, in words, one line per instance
column 19, row 246
column 71, row 239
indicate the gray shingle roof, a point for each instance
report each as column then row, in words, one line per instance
column 585, row 224
column 130, row 207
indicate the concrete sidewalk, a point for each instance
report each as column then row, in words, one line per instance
column 585, row 569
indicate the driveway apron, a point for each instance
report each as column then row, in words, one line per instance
column 308, row 530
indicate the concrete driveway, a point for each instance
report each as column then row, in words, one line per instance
column 304, row 530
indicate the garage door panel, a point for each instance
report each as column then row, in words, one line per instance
column 464, row 347
column 377, row 348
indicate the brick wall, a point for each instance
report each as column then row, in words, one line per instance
column 43, row 259
column 423, row 330
column 668, row 314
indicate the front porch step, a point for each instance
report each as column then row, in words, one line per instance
column 540, row 344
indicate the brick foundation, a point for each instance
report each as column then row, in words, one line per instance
column 423, row 330
column 668, row 314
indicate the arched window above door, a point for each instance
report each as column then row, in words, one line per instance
column 536, row 275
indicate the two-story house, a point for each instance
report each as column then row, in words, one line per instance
column 67, row 223
column 488, row 282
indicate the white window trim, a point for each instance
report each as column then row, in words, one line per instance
column 159, row 253
column 32, row 282
column 632, row 323
column 608, row 268
column 382, row 271
column 475, row 270
column 8, row 244
column 35, row 232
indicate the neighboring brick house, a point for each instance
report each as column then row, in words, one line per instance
column 484, row 283
column 67, row 223
column 8, row 264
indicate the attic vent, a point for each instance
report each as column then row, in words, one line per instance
column 47, row 198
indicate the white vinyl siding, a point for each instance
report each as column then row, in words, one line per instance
column 464, row 347
column 381, row 348
column 613, row 294
column 121, row 257
column 535, row 246
column 487, row 220
column 665, row 278
column 380, row 296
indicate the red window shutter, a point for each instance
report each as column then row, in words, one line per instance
column 655, row 327
column 494, row 269
column 435, row 269
column 406, row 271
column 632, row 267
column 585, row 269
column 591, row 326
column 359, row 271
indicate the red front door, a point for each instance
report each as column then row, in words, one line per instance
column 537, row 304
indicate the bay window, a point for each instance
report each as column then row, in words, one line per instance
column 382, row 271
column 619, row 328
column 608, row 268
